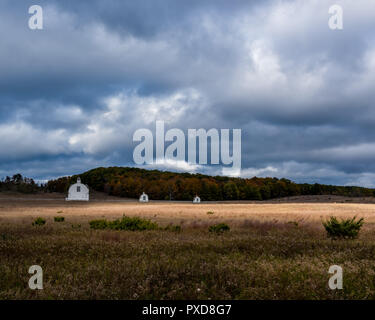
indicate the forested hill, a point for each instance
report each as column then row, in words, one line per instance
column 163, row 185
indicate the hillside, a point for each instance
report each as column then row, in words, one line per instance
column 163, row 185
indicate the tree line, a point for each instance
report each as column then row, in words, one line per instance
column 18, row 183
column 163, row 185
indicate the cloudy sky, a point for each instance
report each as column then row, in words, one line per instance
column 72, row 94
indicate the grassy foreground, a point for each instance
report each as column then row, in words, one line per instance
column 255, row 260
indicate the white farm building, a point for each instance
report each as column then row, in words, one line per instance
column 78, row 192
column 197, row 200
column 143, row 197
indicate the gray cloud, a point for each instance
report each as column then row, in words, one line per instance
column 72, row 95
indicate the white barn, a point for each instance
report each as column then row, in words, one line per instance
column 197, row 200
column 143, row 197
column 78, row 192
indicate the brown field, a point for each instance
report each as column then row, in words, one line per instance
column 263, row 256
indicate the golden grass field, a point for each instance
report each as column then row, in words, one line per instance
column 263, row 256
column 164, row 212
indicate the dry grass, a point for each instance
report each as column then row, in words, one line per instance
column 174, row 212
column 266, row 255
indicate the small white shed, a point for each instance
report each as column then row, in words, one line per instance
column 78, row 192
column 196, row 199
column 143, row 197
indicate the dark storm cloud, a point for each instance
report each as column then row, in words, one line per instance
column 72, row 95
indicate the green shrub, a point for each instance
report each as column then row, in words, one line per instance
column 59, row 219
column 219, row 228
column 294, row 223
column 346, row 228
column 210, row 212
column 125, row 223
column 132, row 224
column 98, row 224
column 173, row 228
column 39, row 222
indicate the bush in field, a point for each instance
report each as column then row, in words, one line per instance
column 173, row 228
column 132, row 224
column 39, row 222
column 345, row 228
column 59, row 219
column 293, row 223
column 219, row 228
column 98, row 224
column 125, row 223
